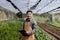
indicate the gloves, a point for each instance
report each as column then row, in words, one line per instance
column 23, row 32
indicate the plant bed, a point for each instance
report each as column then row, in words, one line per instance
column 9, row 31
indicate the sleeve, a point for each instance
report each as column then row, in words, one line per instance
column 34, row 28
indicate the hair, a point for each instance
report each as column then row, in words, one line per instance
column 28, row 11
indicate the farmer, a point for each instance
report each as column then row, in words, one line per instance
column 29, row 35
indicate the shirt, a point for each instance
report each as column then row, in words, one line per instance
column 33, row 26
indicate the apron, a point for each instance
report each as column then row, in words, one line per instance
column 27, row 28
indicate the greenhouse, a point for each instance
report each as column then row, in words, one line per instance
column 29, row 19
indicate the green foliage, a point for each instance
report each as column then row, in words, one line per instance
column 39, row 19
column 41, row 35
column 55, row 24
column 9, row 31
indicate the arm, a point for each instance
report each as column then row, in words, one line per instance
column 34, row 28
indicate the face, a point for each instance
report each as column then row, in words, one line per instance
column 29, row 15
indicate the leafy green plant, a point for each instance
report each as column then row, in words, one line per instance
column 55, row 24
column 9, row 31
column 41, row 35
